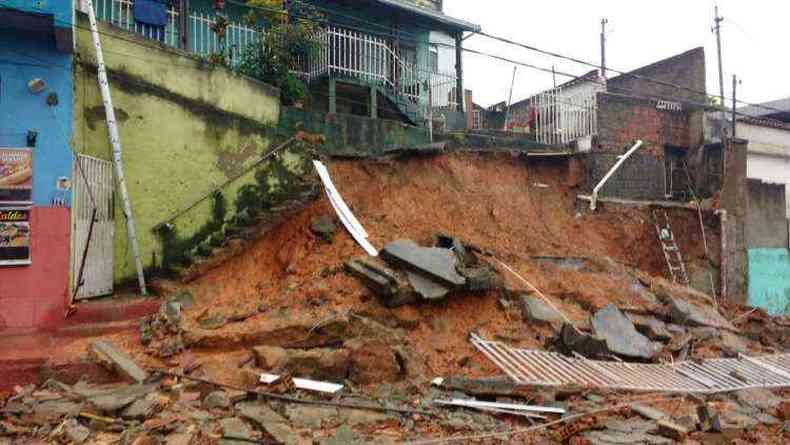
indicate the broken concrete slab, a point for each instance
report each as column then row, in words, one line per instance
column 270, row 422
column 570, row 340
column 235, row 428
column 626, row 432
column 535, row 310
column 141, row 409
column 672, row 430
column 648, row 412
column 427, row 288
column 106, row 353
column 118, row 398
column 391, row 286
column 434, row 262
column 685, row 313
column 318, row 363
column 621, row 336
column 651, row 327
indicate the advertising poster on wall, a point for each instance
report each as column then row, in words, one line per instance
column 14, row 236
column 16, row 176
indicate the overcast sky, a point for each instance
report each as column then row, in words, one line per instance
column 755, row 37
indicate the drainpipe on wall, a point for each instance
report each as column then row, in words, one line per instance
column 623, row 158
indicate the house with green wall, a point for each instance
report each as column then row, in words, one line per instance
column 389, row 59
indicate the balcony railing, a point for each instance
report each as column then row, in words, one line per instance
column 342, row 53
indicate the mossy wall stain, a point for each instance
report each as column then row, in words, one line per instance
column 184, row 130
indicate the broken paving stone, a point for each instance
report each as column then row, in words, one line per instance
column 116, row 399
column 434, row 262
column 107, row 354
column 685, row 313
column 216, row 400
column 270, row 422
column 75, row 431
column 621, row 336
column 235, row 428
column 427, row 288
column 535, row 310
column 392, row 287
column 318, row 363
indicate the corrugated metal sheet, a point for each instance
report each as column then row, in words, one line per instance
column 541, row 368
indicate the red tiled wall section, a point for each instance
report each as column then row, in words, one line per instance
column 34, row 296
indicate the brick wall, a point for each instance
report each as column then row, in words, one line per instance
column 686, row 70
column 623, row 119
column 641, row 177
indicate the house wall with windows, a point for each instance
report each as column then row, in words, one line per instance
column 36, row 95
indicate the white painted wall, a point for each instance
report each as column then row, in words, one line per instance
column 769, row 155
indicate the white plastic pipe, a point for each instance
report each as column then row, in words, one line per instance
column 623, row 158
column 115, row 141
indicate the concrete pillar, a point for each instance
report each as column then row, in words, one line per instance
column 373, row 104
column 332, row 96
column 734, row 200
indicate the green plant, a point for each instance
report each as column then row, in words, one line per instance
column 288, row 43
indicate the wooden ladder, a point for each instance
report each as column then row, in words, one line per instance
column 677, row 268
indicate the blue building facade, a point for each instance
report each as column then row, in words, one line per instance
column 36, row 118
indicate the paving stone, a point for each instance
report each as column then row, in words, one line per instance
column 106, row 352
column 535, row 310
column 270, row 422
column 435, row 262
column 621, row 336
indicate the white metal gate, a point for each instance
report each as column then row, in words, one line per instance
column 92, row 183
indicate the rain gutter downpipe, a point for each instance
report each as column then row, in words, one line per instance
column 623, row 158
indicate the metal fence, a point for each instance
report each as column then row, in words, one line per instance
column 202, row 40
column 561, row 118
column 120, row 13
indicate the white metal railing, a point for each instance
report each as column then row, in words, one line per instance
column 561, row 118
column 120, row 13
column 348, row 53
column 204, row 41
column 444, row 90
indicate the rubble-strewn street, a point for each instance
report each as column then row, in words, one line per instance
column 250, row 351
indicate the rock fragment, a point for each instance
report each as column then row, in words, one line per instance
column 621, row 336
column 535, row 310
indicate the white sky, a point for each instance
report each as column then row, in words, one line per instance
column 755, row 37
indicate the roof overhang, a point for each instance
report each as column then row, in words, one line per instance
column 450, row 22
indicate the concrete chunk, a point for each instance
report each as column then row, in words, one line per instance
column 434, row 262
column 106, row 352
column 621, row 336
column 535, row 310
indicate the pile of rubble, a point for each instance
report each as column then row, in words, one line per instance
column 411, row 273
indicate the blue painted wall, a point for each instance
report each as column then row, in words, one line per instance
column 25, row 56
column 769, row 279
column 62, row 10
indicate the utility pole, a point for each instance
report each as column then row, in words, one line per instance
column 717, row 29
column 510, row 99
column 604, row 21
column 734, row 102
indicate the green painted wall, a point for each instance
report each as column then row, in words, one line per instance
column 351, row 135
column 769, row 279
column 185, row 128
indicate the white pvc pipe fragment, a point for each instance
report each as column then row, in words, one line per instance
column 623, row 158
column 115, row 141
